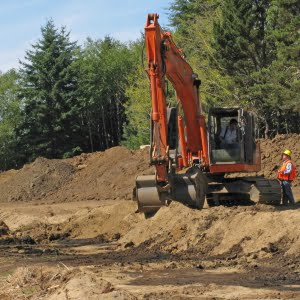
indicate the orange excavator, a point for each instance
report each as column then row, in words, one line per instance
column 190, row 161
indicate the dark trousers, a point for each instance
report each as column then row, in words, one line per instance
column 287, row 194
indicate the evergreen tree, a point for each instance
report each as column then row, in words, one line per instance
column 249, row 48
column 9, row 120
column 51, row 123
column 283, row 32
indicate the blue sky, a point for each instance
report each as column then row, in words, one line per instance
column 21, row 21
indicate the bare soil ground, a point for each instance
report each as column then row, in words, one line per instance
column 68, row 230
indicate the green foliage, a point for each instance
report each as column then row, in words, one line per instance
column 51, row 124
column 138, row 105
column 256, row 44
column 9, row 119
column 66, row 100
column 246, row 53
column 194, row 22
column 104, row 68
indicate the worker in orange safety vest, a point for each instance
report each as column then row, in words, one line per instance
column 286, row 174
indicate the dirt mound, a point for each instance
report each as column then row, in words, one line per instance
column 35, row 181
column 110, row 221
column 100, row 176
column 219, row 230
column 271, row 154
column 4, row 230
column 87, row 285
column 105, row 175
column 60, row 283
column 258, row 230
column 65, row 234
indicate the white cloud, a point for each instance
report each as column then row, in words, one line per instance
column 127, row 35
column 10, row 59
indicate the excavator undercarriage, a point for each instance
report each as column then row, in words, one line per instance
column 194, row 188
column 243, row 191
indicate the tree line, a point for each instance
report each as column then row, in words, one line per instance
column 247, row 54
column 67, row 99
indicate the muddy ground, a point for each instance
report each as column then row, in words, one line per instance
column 68, row 230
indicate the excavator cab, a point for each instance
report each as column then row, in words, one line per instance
column 240, row 148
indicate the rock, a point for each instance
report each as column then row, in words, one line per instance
column 129, row 244
column 80, row 167
column 4, row 230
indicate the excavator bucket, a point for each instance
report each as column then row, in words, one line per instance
column 189, row 188
column 147, row 195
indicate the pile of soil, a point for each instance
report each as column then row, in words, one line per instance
column 108, row 175
column 36, row 180
column 239, row 236
column 97, row 176
column 60, row 283
column 219, row 231
column 271, row 154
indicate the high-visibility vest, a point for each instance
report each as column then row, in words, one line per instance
column 290, row 176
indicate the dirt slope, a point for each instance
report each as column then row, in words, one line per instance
column 271, row 154
column 100, row 176
column 35, row 181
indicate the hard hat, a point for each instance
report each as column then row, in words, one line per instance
column 287, row 152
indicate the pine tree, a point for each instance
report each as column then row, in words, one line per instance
column 9, row 120
column 257, row 44
column 51, row 124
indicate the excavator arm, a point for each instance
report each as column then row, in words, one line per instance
column 165, row 60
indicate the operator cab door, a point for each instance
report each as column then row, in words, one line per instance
column 240, row 149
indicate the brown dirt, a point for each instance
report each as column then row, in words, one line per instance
column 98, row 176
column 271, row 154
column 35, row 181
column 67, row 233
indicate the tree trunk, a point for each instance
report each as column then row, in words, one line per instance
column 104, row 128
column 90, row 136
column 266, row 129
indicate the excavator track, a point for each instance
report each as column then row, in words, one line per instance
column 243, row 191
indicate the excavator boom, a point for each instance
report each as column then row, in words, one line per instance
column 166, row 60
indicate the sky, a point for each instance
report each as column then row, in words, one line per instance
column 21, row 22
